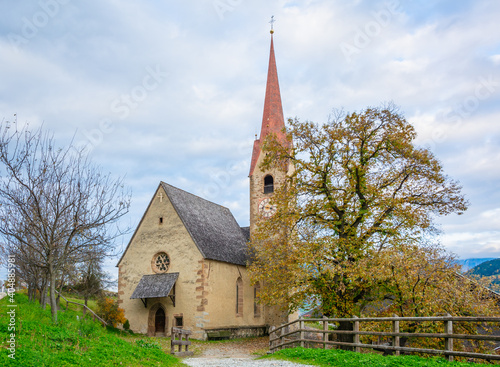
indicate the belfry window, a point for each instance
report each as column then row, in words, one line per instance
column 268, row 184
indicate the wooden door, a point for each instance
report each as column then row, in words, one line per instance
column 160, row 321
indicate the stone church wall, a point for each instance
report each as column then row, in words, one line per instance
column 150, row 238
column 222, row 303
column 205, row 290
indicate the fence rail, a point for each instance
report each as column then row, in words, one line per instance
column 85, row 308
column 294, row 333
column 180, row 337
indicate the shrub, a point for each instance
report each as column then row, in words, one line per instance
column 147, row 344
column 108, row 309
column 126, row 325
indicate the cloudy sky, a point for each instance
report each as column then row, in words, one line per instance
column 174, row 90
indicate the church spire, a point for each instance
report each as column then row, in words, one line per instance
column 272, row 119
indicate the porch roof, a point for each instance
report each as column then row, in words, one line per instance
column 155, row 285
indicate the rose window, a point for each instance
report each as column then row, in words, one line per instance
column 161, row 262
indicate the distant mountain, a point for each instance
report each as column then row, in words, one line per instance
column 468, row 264
column 486, row 269
column 489, row 272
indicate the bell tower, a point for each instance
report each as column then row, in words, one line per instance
column 264, row 183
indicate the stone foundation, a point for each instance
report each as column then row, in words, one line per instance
column 235, row 332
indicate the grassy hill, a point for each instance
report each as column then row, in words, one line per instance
column 72, row 342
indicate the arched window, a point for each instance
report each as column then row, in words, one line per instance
column 256, row 304
column 239, row 297
column 268, row 184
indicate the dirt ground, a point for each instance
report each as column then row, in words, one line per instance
column 238, row 348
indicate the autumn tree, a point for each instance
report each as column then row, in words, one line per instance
column 419, row 280
column 360, row 187
column 425, row 280
column 54, row 203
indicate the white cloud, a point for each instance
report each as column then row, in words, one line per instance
column 495, row 59
column 199, row 119
column 470, row 245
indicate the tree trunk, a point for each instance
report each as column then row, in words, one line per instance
column 42, row 297
column 31, row 292
column 346, row 338
column 53, row 304
column 42, row 288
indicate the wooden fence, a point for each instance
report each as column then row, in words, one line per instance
column 85, row 308
column 180, row 337
column 295, row 333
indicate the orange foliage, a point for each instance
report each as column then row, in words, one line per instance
column 108, row 309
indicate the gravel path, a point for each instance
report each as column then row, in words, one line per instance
column 236, row 354
column 238, row 362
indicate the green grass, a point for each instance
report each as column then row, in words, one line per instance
column 335, row 357
column 92, row 303
column 72, row 342
column 317, row 325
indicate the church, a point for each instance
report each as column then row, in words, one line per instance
column 186, row 263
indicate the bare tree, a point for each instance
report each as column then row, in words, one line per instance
column 91, row 279
column 29, row 271
column 54, row 202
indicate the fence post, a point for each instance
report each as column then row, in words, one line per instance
column 395, row 338
column 172, row 339
column 301, row 327
column 271, row 343
column 448, row 342
column 325, row 328
column 356, row 335
column 282, row 331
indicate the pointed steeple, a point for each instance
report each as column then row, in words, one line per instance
column 272, row 120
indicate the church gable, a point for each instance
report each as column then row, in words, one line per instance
column 212, row 227
column 160, row 229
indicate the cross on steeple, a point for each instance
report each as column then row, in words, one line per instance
column 272, row 23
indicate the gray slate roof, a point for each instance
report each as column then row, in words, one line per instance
column 212, row 227
column 246, row 233
column 155, row 285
